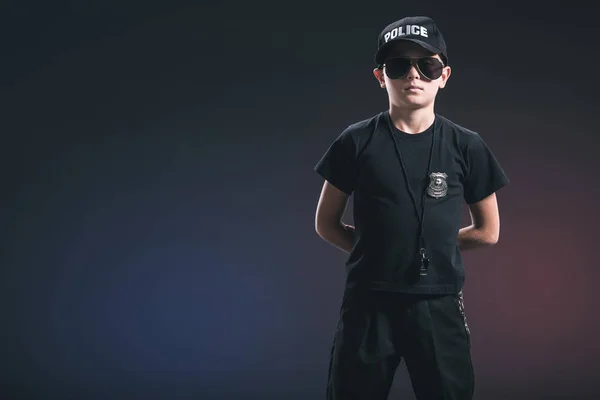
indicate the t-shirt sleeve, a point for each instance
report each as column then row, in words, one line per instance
column 338, row 164
column 485, row 175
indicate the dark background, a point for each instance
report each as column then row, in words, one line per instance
column 158, row 195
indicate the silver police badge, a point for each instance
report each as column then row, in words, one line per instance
column 438, row 186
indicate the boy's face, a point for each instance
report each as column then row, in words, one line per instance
column 416, row 89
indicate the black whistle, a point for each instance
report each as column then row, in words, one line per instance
column 424, row 262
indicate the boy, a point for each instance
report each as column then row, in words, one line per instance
column 409, row 170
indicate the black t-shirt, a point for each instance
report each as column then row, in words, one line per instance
column 370, row 160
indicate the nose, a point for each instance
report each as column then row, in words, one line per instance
column 413, row 73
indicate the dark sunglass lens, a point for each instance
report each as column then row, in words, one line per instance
column 431, row 67
column 396, row 68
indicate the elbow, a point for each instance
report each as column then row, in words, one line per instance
column 323, row 226
column 491, row 239
column 491, row 242
column 322, row 230
column 319, row 227
column 486, row 235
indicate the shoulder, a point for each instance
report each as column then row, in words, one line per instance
column 461, row 137
column 360, row 132
column 456, row 130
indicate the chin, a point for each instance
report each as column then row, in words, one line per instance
column 412, row 103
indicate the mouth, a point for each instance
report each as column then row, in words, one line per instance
column 412, row 88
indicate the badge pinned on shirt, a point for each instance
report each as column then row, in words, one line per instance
column 438, row 185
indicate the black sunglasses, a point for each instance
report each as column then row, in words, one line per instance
column 398, row 67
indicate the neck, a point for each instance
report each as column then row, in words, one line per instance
column 412, row 121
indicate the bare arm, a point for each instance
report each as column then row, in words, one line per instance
column 328, row 218
column 485, row 228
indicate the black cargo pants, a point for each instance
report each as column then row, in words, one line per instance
column 376, row 330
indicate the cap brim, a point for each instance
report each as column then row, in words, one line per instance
column 384, row 50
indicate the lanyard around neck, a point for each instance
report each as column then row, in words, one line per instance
column 420, row 213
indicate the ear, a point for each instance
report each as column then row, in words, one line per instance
column 378, row 72
column 445, row 75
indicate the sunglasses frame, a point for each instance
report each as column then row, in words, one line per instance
column 414, row 62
